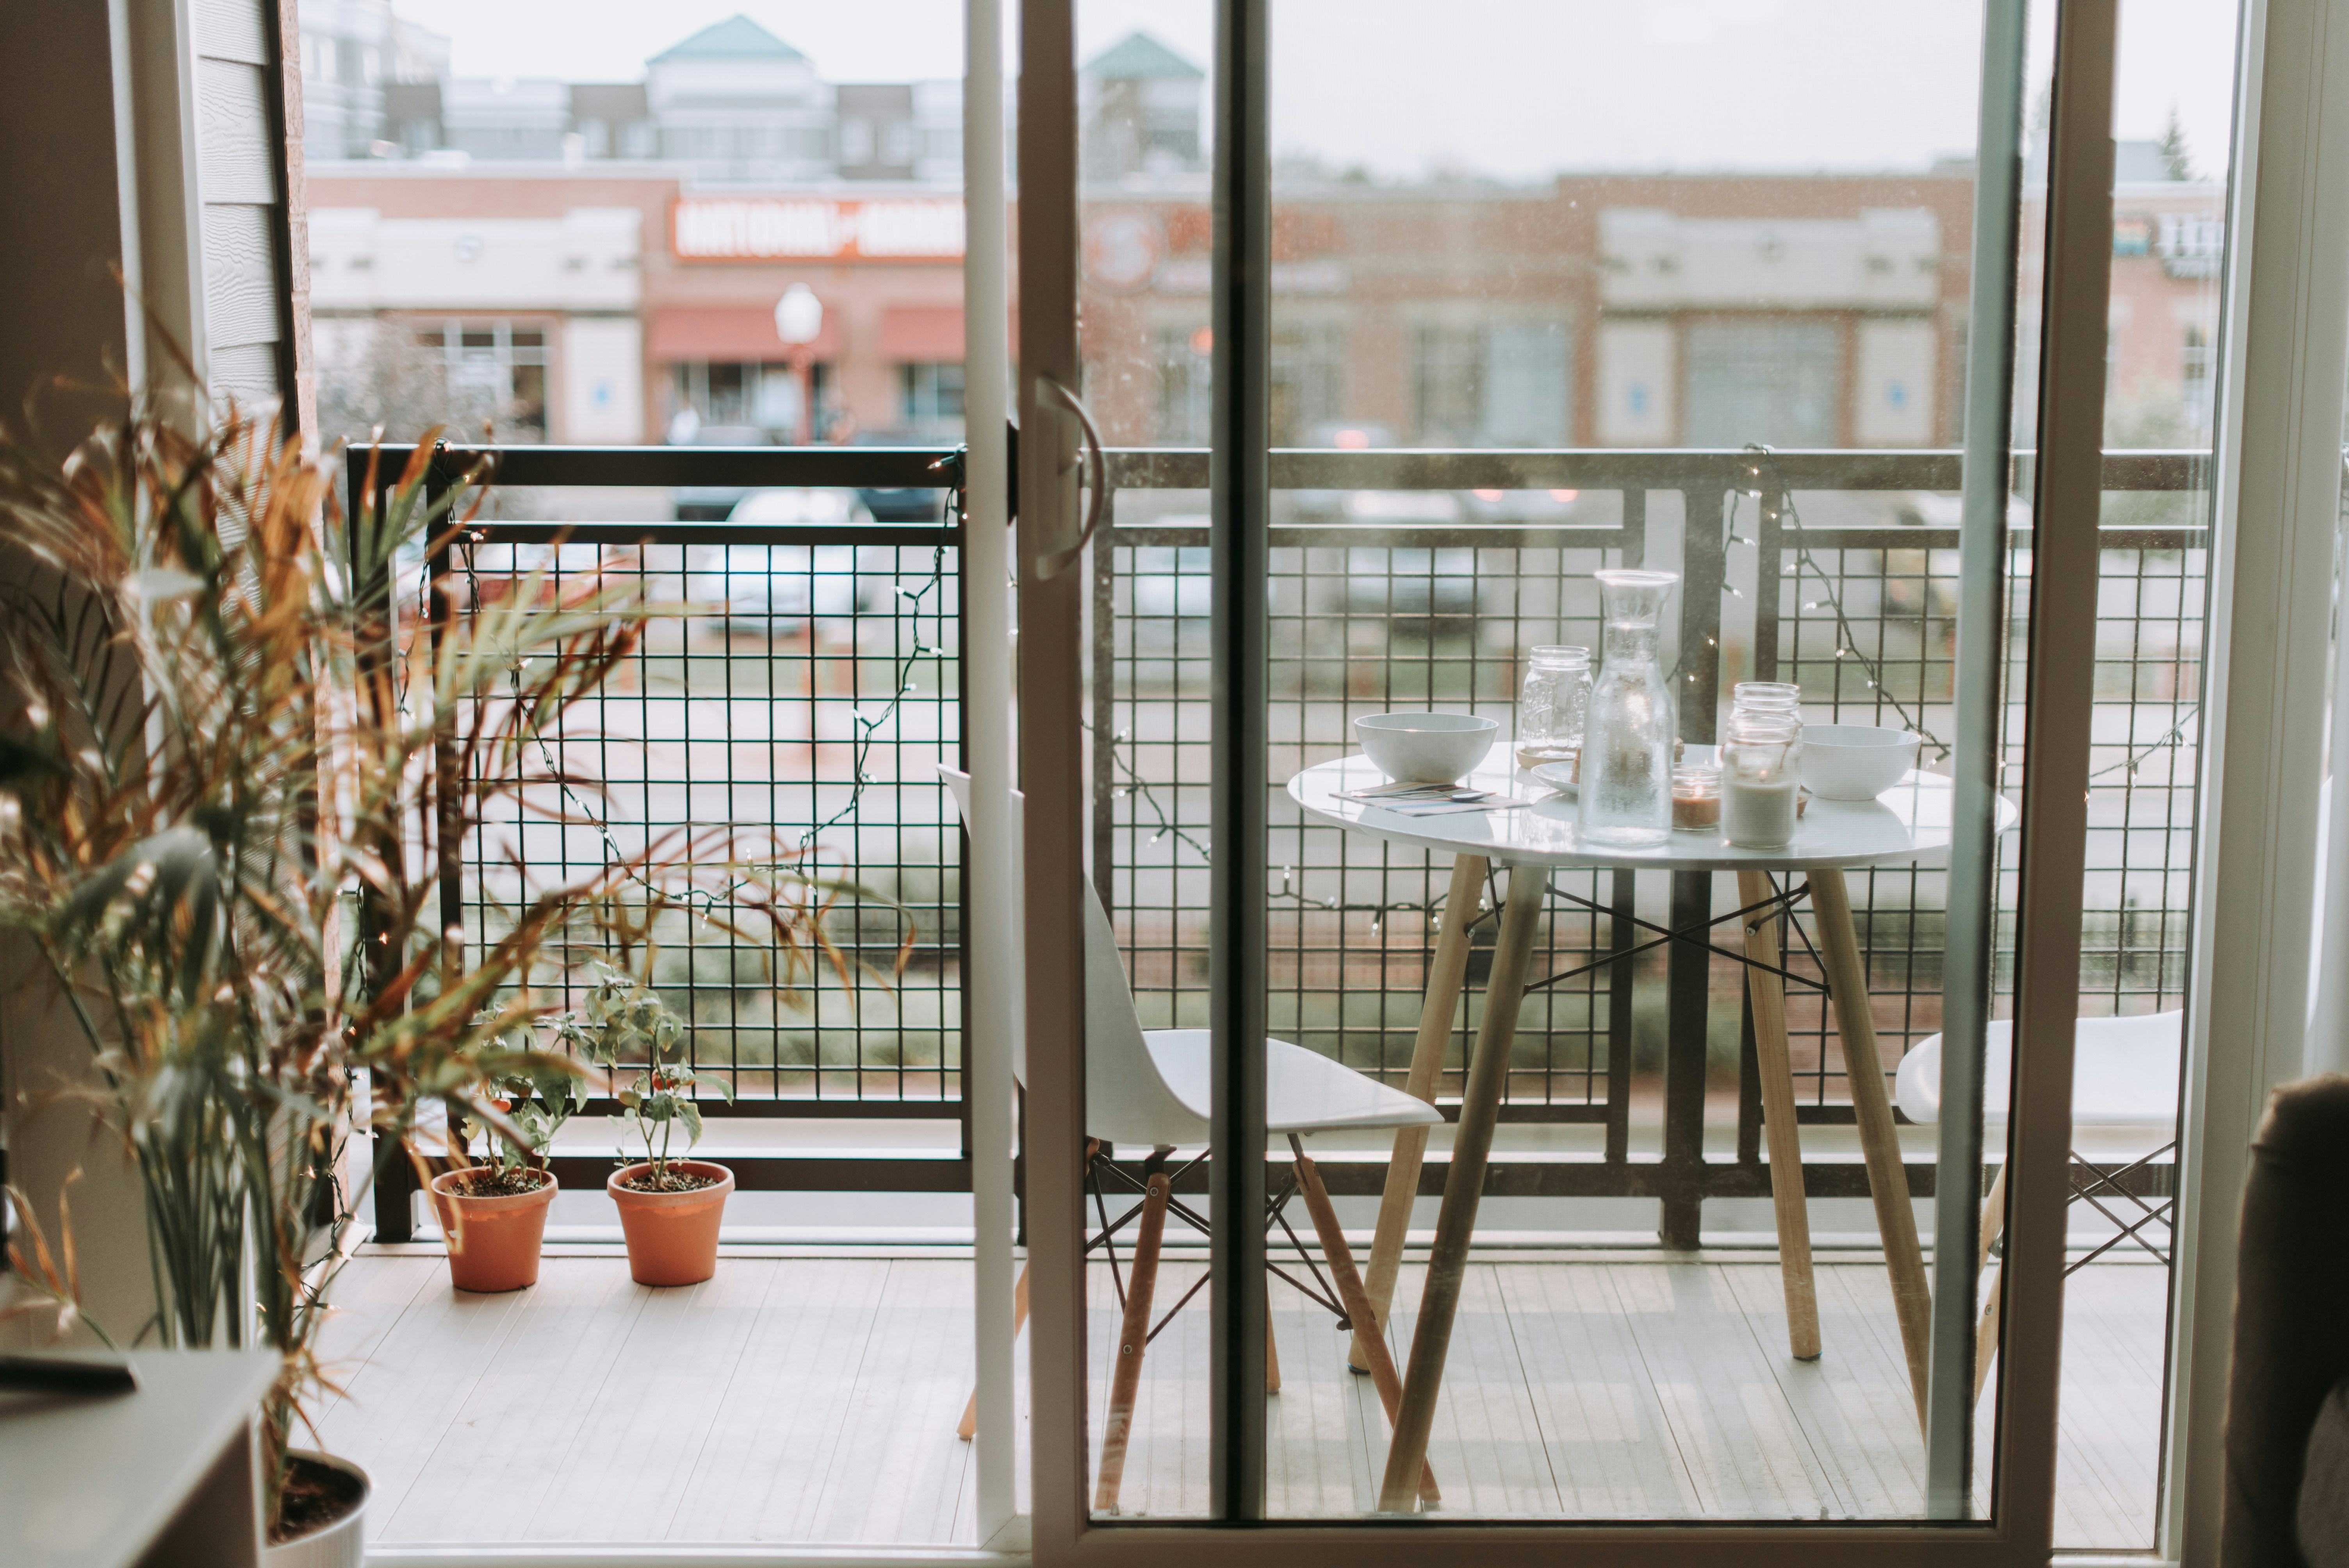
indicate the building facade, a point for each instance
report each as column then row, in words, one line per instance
column 593, row 262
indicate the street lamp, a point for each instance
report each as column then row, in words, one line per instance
column 799, row 318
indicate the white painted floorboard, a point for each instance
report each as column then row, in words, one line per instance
column 814, row 1400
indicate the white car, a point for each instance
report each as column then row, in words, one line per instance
column 774, row 586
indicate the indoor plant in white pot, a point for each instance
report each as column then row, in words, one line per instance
column 217, row 739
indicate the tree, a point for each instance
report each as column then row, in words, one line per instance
column 2174, row 150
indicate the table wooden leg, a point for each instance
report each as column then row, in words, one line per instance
column 1352, row 1296
column 1445, row 976
column 1879, row 1140
column 1768, row 991
column 1464, row 1184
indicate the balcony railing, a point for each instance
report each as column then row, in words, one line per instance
column 806, row 673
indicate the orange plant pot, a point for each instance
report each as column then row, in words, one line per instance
column 493, row 1241
column 672, row 1236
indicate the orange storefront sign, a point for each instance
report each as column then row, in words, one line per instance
column 815, row 229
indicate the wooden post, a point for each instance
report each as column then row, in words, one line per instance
column 1464, row 1185
column 1447, row 972
column 1767, row 990
column 1879, row 1140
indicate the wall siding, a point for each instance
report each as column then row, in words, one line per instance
column 243, row 198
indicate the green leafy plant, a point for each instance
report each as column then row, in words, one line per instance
column 240, row 750
column 534, row 1085
column 623, row 1024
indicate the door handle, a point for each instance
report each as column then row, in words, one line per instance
column 1051, row 565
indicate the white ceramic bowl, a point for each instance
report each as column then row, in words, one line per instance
column 1425, row 747
column 1855, row 761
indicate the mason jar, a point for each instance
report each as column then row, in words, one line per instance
column 1552, row 705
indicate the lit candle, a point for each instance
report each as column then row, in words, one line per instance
column 1696, row 799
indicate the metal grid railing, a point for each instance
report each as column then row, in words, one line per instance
column 799, row 695
column 1828, row 573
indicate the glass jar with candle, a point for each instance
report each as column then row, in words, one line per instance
column 1550, row 708
column 1767, row 696
column 1761, row 766
column 1696, row 799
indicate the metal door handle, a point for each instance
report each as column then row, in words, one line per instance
column 1049, row 567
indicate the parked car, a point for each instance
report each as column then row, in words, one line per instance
column 774, row 589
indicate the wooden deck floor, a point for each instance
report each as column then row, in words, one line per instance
column 813, row 1399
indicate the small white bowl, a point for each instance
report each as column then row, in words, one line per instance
column 1425, row 747
column 1855, row 761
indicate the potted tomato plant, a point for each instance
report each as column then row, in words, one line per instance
column 493, row 1212
column 670, row 1207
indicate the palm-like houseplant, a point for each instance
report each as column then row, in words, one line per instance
column 230, row 787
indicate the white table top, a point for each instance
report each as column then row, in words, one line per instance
column 91, row 1482
column 1908, row 822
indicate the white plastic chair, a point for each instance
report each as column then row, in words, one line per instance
column 1151, row 1086
column 2124, row 1074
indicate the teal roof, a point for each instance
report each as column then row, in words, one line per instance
column 736, row 37
column 1138, row 55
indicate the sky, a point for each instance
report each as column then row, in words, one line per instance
column 1515, row 89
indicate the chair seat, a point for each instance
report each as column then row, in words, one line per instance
column 1305, row 1091
column 2124, row 1073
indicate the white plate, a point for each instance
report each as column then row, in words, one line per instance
column 1558, row 776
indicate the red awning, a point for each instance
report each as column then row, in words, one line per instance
column 729, row 333
column 922, row 334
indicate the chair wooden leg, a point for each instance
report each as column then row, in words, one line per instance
column 1272, row 1344
column 1125, row 1382
column 1879, row 1140
column 1464, row 1185
column 1768, row 991
column 1445, row 976
column 1993, row 1220
column 969, row 1425
column 1356, row 1302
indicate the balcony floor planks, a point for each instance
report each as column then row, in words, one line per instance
column 813, row 1399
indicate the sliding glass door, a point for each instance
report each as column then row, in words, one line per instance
column 1566, row 589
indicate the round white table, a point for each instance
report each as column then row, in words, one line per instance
column 1907, row 824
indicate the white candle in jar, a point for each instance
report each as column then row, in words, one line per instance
column 1757, row 815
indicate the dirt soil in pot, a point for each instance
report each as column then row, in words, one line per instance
column 675, row 1182
column 487, row 1183
column 315, row 1495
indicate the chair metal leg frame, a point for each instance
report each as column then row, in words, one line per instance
column 1340, row 1294
column 2162, row 1212
column 2152, row 1214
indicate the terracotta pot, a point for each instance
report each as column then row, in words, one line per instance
column 672, row 1236
column 339, row 1543
column 493, row 1241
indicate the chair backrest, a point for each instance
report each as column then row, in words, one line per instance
column 1127, row 1100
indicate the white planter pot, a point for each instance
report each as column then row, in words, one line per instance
column 342, row 1544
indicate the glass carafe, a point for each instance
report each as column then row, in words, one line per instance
column 1628, row 732
column 1550, row 708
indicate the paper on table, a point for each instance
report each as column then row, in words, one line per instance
column 1440, row 808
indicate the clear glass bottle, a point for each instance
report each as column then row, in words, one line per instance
column 1626, row 790
column 1761, row 770
column 1550, row 707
